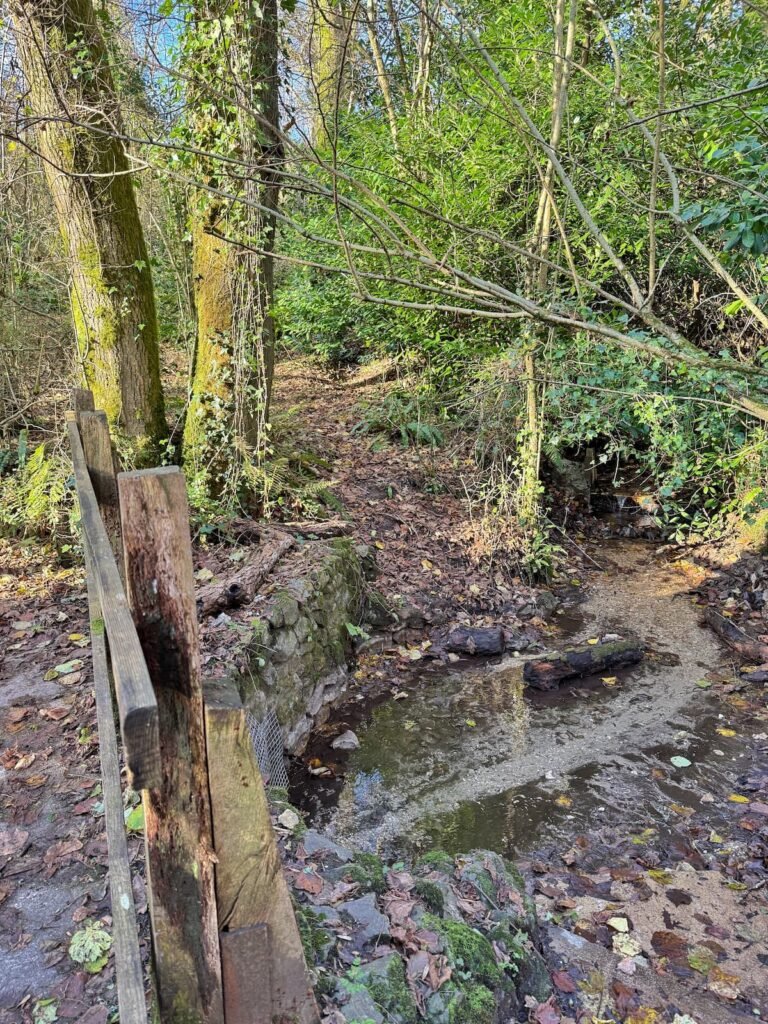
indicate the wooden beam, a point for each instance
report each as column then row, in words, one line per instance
column 131, row 1000
column 251, row 889
column 137, row 706
column 100, row 460
column 180, row 858
column 97, row 448
column 81, row 400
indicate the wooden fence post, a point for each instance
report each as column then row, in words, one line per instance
column 99, row 458
column 265, row 974
column 80, row 401
column 180, row 857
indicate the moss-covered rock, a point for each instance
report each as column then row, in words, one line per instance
column 315, row 939
column 431, row 893
column 475, row 1005
column 385, row 982
column 437, row 860
column 469, row 952
column 368, row 871
column 301, row 646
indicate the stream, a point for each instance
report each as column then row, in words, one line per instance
column 469, row 760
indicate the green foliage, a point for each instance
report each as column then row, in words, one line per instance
column 38, row 497
column 400, row 416
column 469, row 952
column 368, row 871
column 90, row 947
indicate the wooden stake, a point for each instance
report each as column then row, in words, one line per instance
column 250, row 886
column 180, row 859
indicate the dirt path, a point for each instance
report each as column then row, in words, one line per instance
column 53, row 878
column 410, row 503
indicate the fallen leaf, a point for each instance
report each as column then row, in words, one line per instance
column 670, row 945
column 737, row 798
column 723, row 984
column 134, row 820
column 69, row 679
column 593, row 640
column 24, row 762
column 67, row 667
column 547, row 1013
column 563, row 982
column 308, row 881
column 12, row 841
column 35, row 781
column 680, row 762
column 56, row 713
column 16, row 715
column 726, row 732
column 626, row 945
column 619, row 924
column 684, row 812
column 643, row 1015
column 563, row 800
column 702, row 959
column 610, row 680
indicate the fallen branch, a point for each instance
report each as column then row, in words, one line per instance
column 329, row 528
column 736, row 638
column 242, row 586
column 548, row 672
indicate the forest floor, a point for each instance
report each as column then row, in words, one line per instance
column 697, row 892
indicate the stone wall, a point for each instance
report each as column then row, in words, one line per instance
column 302, row 644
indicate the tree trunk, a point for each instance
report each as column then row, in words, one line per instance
column 233, row 268
column 330, row 46
column 76, row 111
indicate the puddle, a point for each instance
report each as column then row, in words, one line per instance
column 468, row 760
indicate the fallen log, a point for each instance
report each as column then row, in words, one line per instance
column 478, row 640
column 548, row 672
column 328, row 528
column 736, row 638
column 241, row 587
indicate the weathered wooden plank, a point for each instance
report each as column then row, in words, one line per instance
column 180, row 859
column 100, row 460
column 81, row 400
column 137, row 706
column 131, row 1000
column 97, row 448
column 246, row 967
column 250, row 886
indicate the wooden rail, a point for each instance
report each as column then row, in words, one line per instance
column 226, row 947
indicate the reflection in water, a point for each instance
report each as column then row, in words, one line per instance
column 470, row 759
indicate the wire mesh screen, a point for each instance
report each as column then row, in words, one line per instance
column 267, row 739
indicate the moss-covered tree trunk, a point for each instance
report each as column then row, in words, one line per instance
column 233, row 273
column 329, row 49
column 76, row 114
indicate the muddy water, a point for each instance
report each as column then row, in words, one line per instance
column 469, row 760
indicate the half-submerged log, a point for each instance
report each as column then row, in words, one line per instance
column 736, row 638
column 479, row 640
column 548, row 672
